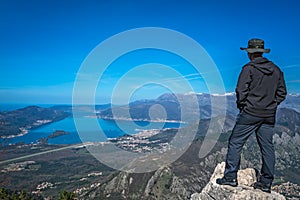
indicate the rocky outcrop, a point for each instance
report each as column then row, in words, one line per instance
column 289, row 190
column 246, row 177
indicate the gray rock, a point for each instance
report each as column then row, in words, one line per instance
column 246, row 177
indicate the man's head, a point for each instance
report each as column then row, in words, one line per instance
column 256, row 47
column 251, row 56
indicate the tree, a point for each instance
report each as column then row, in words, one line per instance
column 65, row 195
column 4, row 194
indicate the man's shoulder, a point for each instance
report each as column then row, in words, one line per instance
column 265, row 61
column 247, row 66
column 276, row 67
column 270, row 62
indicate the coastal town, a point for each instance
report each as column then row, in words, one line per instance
column 142, row 142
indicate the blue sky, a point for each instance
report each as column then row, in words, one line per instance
column 44, row 43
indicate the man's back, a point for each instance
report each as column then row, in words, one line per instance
column 261, row 87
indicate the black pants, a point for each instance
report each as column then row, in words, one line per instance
column 245, row 125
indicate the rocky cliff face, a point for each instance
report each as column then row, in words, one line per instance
column 246, row 177
column 190, row 174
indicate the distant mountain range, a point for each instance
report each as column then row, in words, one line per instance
column 171, row 104
column 18, row 122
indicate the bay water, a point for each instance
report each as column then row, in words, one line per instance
column 87, row 132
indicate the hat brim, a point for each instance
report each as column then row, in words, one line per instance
column 254, row 50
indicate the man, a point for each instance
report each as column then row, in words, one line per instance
column 260, row 89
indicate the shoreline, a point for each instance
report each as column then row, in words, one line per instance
column 141, row 134
column 10, row 139
column 23, row 132
column 136, row 120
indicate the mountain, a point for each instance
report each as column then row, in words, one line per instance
column 178, row 180
column 288, row 119
column 172, row 105
column 190, row 173
column 19, row 121
column 292, row 102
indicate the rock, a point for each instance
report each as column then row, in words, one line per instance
column 178, row 187
column 289, row 189
column 246, row 177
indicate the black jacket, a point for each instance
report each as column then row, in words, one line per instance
column 261, row 88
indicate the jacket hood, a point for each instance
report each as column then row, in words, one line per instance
column 263, row 65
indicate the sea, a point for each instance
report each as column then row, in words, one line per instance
column 86, row 131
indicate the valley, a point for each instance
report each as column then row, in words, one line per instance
column 45, row 170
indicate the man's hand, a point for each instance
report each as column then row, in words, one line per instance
column 240, row 106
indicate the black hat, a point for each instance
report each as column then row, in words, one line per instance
column 256, row 45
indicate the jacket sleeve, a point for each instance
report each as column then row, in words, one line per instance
column 242, row 88
column 281, row 89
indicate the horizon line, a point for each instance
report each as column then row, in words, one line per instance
column 98, row 103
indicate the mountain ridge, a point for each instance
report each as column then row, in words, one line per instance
column 171, row 103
